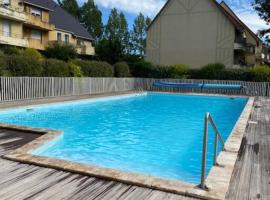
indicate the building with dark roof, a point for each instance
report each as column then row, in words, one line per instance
column 37, row 23
column 199, row 32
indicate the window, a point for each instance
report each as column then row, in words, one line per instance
column 36, row 34
column 59, row 37
column 6, row 2
column 66, row 38
column 6, row 28
column 79, row 42
column 35, row 11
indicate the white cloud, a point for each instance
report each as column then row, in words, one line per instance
column 147, row 7
column 245, row 11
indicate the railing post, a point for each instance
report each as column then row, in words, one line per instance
column 205, row 139
column 215, row 149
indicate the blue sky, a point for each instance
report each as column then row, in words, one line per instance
column 131, row 8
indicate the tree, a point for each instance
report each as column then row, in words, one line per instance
column 124, row 33
column 139, row 34
column 91, row 17
column 110, row 50
column 113, row 26
column 70, row 6
column 114, row 45
column 263, row 9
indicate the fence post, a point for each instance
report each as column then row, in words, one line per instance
column 205, row 141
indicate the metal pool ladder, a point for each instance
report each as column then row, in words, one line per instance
column 218, row 138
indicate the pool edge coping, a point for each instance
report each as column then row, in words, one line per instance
column 218, row 179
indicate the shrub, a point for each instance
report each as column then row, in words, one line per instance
column 121, row 69
column 95, row 68
column 3, row 67
column 55, row 68
column 32, row 53
column 178, row 71
column 142, row 69
column 261, row 74
column 212, row 71
column 75, row 70
column 23, row 66
column 60, row 51
column 1, row 53
column 11, row 50
column 161, row 72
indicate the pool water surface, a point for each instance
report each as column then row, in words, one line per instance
column 153, row 134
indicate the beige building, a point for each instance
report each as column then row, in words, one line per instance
column 199, row 32
column 37, row 23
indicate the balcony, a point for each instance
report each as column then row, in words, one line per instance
column 36, row 22
column 13, row 39
column 244, row 47
column 36, row 44
column 14, row 13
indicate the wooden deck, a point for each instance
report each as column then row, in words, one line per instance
column 251, row 178
column 21, row 181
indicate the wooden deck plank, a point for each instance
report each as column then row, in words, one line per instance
column 21, row 181
column 251, row 177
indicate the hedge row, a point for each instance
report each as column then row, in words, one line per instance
column 30, row 62
column 21, row 65
column 214, row 71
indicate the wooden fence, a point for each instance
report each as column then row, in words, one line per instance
column 23, row 88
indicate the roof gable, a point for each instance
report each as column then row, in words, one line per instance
column 233, row 18
column 61, row 18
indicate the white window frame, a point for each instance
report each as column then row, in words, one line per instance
column 36, row 12
column 36, row 34
column 7, row 28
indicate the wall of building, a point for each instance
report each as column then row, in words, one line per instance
column 85, row 48
column 191, row 32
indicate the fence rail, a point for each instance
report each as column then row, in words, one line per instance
column 24, row 88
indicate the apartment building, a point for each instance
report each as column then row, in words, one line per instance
column 199, row 32
column 37, row 23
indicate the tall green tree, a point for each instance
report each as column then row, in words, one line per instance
column 114, row 44
column 139, row 34
column 70, row 6
column 113, row 26
column 263, row 9
column 124, row 33
column 91, row 17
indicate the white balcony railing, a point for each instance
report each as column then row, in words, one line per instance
column 13, row 39
column 10, row 12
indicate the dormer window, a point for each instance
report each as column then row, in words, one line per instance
column 36, row 12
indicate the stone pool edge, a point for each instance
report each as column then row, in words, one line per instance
column 218, row 179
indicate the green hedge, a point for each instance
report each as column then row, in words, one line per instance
column 121, row 69
column 95, row 68
column 55, row 68
column 261, row 74
column 20, row 65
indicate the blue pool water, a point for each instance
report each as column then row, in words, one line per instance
column 154, row 134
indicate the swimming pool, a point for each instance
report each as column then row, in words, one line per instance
column 154, row 134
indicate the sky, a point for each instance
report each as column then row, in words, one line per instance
column 131, row 8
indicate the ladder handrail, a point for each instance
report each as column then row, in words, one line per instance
column 218, row 138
